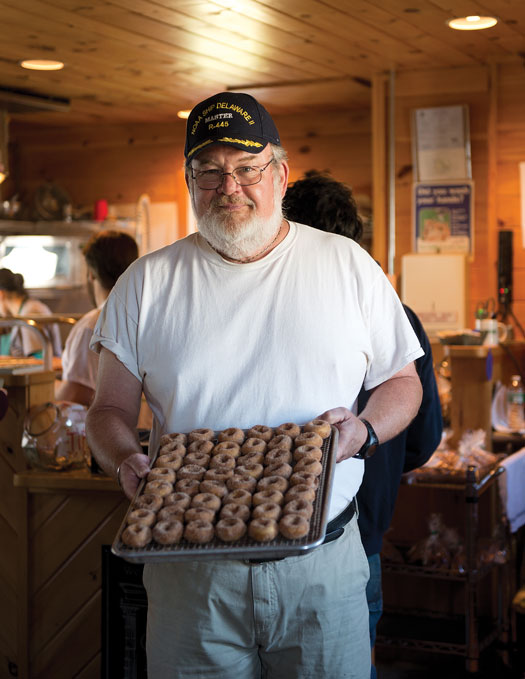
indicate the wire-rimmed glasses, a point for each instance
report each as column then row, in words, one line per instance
column 246, row 175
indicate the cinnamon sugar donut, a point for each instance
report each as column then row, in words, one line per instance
column 171, row 460
column 148, row 501
column 161, row 488
column 200, row 446
column 288, row 429
column 191, row 471
column 175, row 437
column 278, row 455
column 309, row 465
column 218, row 474
column 229, row 447
column 168, row 532
column 281, row 441
column 218, row 488
column 272, row 483
column 178, row 498
column 293, row 526
column 300, row 491
column 239, row 496
column 251, row 469
column 319, row 426
column 264, row 496
column 308, row 438
column 251, row 458
column 260, row 431
column 200, row 459
column 253, row 445
column 302, row 507
column 231, row 434
column 172, row 513
column 146, row 517
column 263, row 529
column 244, row 481
column 312, row 452
column 278, row 469
column 222, row 461
column 201, row 435
column 136, row 535
column 232, row 510
column 161, row 474
column 208, row 500
column 230, row 529
column 173, row 447
column 304, row 477
column 199, row 513
column 199, row 531
column 269, row 510
column 188, row 486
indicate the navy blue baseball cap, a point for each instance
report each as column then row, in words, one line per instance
column 232, row 118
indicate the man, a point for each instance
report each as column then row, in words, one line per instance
column 330, row 206
column 108, row 254
column 236, row 325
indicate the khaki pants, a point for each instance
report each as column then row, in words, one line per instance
column 304, row 617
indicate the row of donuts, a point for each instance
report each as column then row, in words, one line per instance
column 187, row 507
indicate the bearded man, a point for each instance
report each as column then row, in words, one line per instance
column 254, row 320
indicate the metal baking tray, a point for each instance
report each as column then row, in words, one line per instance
column 246, row 547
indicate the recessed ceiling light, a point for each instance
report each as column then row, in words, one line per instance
column 42, row 64
column 183, row 114
column 472, row 23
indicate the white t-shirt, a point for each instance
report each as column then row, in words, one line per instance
column 218, row 344
column 79, row 363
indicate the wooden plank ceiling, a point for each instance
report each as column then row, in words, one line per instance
column 143, row 60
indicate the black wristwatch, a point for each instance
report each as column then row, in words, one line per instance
column 369, row 446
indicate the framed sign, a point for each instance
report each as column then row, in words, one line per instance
column 441, row 143
column 443, row 217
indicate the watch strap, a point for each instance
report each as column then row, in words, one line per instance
column 369, row 446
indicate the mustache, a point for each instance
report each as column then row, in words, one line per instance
column 221, row 201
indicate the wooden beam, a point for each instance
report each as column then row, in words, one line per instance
column 379, row 167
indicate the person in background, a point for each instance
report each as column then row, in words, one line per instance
column 237, row 325
column 15, row 301
column 108, row 254
column 329, row 205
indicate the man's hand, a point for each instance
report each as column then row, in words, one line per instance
column 130, row 472
column 352, row 432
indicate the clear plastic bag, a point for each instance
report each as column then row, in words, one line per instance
column 54, row 436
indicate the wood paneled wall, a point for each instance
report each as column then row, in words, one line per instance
column 121, row 162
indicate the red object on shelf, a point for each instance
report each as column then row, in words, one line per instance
column 101, row 210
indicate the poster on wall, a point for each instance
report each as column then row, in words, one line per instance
column 441, row 143
column 443, row 217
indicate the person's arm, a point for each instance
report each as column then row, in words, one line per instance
column 74, row 391
column 390, row 409
column 111, row 424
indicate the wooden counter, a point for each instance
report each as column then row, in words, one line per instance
column 67, row 517
column 52, row 528
column 474, row 371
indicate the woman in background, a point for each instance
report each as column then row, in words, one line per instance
column 15, row 301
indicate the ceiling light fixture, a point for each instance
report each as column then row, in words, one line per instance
column 42, row 64
column 183, row 114
column 472, row 23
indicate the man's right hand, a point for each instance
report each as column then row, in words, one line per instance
column 130, row 472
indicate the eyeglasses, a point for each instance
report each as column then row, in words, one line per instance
column 246, row 175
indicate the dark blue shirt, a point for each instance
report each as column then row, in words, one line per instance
column 409, row 449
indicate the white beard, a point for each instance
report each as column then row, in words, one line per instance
column 238, row 240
